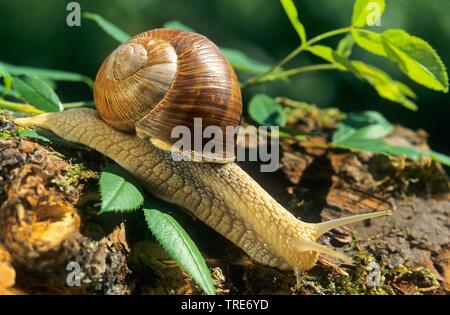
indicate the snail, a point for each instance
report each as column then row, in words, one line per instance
column 163, row 78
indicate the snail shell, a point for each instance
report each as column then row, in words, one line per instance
column 165, row 78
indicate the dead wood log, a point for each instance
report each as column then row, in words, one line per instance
column 40, row 229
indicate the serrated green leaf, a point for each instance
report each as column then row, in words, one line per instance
column 345, row 46
column 241, row 62
column 416, row 58
column 38, row 94
column 179, row 245
column 366, row 12
column 47, row 74
column 109, row 28
column 266, row 111
column 178, row 26
column 386, row 87
column 369, row 41
column 292, row 13
column 119, row 190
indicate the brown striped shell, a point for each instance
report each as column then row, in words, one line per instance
column 165, row 78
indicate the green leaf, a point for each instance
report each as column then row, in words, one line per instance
column 386, row 87
column 291, row 12
column 328, row 54
column 365, row 131
column 7, row 79
column 442, row 158
column 47, row 74
column 382, row 147
column 119, row 190
column 108, row 27
column 241, row 62
column 362, row 126
column 416, row 58
column 266, row 111
column 364, row 12
column 38, row 94
column 345, row 46
column 369, row 41
column 8, row 91
column 33, row 134
column 178, row 26
column 179, row 245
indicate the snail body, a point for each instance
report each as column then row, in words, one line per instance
column 220, row 194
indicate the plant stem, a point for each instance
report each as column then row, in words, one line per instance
column 29, row 109
column 261, row 77
column 291, row 72
column 19, row 107
column 323, row 36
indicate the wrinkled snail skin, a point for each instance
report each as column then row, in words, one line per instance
column 222, row 195
column 165, row 78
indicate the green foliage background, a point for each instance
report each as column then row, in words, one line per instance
column 34, row 33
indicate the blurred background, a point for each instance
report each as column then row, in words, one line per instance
column 35, row 33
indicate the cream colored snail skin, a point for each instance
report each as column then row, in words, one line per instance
column 164, row 78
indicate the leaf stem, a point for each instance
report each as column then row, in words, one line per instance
column 261, row 78
column 284, row 74
column 29, row 109
column 19, row 107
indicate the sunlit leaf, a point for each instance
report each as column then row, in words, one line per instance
column 416, row 58
column 292, row 13
column 111, row 29
column 366, row 12
column 119, row 191
column 369, row 41
column 38, row 94
column 326, row 53
column 266, row 111
column 179, row 245
column 386, row 87
column 46, row 74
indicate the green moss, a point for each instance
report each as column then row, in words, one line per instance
column 77, row 173
column 403, row 279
